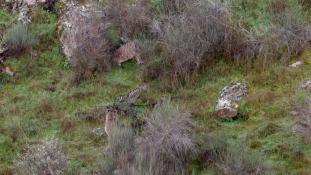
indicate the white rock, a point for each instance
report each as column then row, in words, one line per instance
column 76, row 18
column 99, row 131
column 227, row 102
column 296, row 64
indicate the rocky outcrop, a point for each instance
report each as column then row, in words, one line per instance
column 3, row 51
column 4, row 69
column 22, row 7
column 227, row 102
column 80, row 26
column 36, row 2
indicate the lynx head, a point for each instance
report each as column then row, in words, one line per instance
column 111, row 114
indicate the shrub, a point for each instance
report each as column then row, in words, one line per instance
column 88, row 56
column 206, row 30
column 173, row 6
column 167, row 144
column 46, row 109
column 130, row 18
column 120, row 149
column 282, row 33
column 164, row 147
column 38, row 14
column 203, row 31
column 211, row 147
column 238, row 160
column 306, row 3
column 19, row 38
column 45, row 159
column 85, row 45
column 303, row 125
column 230, row 156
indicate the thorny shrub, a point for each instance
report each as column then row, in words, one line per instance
column 45, row 159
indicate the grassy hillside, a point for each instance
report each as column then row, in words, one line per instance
column 40, row 102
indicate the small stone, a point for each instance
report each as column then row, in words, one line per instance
column 78, row 18
column 99, row 131
column 296, row 64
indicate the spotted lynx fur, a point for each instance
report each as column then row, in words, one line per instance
column 126, row 52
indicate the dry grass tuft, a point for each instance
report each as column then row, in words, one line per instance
column 66, row 125
column 130, row 18
column 167, row 145
column 46, row 109
column 303, row 126
column 238, row 160
column 164, row 147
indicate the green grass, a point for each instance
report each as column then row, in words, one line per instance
column 30, row 112
column 5, row 19
column 258, row 14
column 269, row 101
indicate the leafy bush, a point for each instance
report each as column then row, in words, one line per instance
column 19, row 37
column 45, row 159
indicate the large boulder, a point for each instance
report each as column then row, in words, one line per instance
column 82, row 29
column 227, row 102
